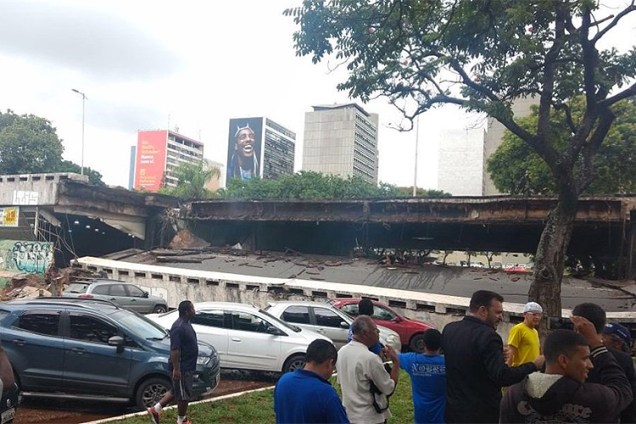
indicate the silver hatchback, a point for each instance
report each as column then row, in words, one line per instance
column 124, row 294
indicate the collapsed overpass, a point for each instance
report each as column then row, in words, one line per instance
column 77, row 217
column 603, row 229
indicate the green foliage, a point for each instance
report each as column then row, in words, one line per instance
column 516, row 168
column 308, row 185
column 29, row 145
column 258, row 407
column 192, row 181
column 94, row 177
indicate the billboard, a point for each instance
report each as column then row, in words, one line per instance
column 244, row 149
column 150, row 161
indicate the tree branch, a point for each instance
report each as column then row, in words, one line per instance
column 617, row 18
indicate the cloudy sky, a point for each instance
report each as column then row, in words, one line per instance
column 189, row 64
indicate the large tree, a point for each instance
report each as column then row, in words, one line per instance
column 29, row 144
column 482, row 55
column 516, row 169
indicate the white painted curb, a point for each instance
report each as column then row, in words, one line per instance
column 145, row 413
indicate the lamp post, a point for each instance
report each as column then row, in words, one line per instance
column 417, row 140
column 83, row 104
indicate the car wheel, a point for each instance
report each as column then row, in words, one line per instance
column 160, row 309
column 293, row 363
column 417, row 343
column 151, row 391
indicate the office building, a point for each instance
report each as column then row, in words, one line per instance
column 159, row 153
column 494, row 137
column 259, row 147
column 461, row 161
column 341, row 139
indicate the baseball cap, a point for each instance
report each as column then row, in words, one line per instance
column 533, row 307
column 619, row 331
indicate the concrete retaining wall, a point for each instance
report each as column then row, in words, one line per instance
column 176, row 284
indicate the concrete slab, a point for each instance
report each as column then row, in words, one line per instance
column 429, row 278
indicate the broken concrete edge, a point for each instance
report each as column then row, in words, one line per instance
column 442, row 304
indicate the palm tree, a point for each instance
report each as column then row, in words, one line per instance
column 192, row 180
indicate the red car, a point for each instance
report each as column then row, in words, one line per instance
column 411, row 331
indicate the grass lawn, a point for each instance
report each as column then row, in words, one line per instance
column 258, row 407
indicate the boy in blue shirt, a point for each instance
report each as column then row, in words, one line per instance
column 428, row 379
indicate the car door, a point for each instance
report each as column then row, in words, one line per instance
column 387, row 318
column 212, row 326
column 91, row 365
column 330, row 324
column 115, row 293
column 36, row 349
column 138, row 299
column 250, row 345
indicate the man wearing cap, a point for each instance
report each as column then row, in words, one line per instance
column 617, row 337
column 523, row 339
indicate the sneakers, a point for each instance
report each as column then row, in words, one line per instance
column 187, row 421
column 154, row 415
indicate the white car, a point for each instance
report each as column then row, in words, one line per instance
column 246, row 337
column 326, row 320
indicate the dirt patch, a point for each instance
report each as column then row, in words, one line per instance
column 48, row 411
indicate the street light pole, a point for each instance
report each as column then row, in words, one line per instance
column 417, row 142
column 83, row 109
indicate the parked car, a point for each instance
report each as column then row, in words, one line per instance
column 9, row 389
column 88, row 349
column 411, row 331
column 247, row 337
column 124, row 294
column 326, row 320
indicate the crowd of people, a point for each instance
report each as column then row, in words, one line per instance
column 467, row 375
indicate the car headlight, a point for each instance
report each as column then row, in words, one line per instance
column 203, row 360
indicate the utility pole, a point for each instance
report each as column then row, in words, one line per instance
column 83, row 109
column 417, row 140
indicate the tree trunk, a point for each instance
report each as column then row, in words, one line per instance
column 551, row 251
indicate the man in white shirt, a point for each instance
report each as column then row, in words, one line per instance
column 359, row 370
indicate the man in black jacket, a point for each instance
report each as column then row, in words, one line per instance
column 475, row 366
column 561, row 394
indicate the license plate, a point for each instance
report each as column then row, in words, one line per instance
column 8, row 416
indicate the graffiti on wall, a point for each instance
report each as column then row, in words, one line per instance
column 33, row 257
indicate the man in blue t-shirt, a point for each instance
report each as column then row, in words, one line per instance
column 428, row 379
column 184, row 350
column 306, row 396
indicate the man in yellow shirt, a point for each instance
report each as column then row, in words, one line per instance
column 523, row 340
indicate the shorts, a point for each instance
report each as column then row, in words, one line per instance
column 182, row 388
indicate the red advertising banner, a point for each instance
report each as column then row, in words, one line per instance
column 150, row 162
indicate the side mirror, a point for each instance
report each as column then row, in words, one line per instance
column 117, row 341
column 146, row 294
column 344, row 324
column 274, row 331
column 397, row 319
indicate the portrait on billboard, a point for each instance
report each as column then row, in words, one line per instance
column 244, row 149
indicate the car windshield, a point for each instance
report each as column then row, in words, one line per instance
column 140, row 325
column 77, row 288
column 281, row 322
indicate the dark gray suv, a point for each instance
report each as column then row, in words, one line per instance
column 93, row 349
